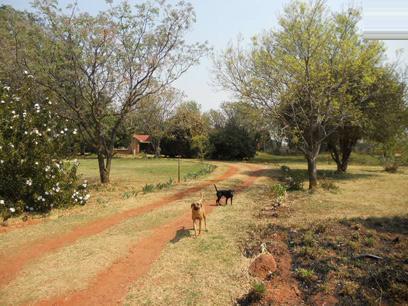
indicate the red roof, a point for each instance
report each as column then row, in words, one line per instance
column 142, row 138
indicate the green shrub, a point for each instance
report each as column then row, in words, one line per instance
column 306, row 274
column 148, row 188
column 259, row 288
column 279, row 191
column 130, row 194
column 295, row 181
column 34, row 146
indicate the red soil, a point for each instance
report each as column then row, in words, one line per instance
column 111, row 285
column 12, row 264
column 283, row 289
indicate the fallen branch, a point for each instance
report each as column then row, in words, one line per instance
column 369, row 256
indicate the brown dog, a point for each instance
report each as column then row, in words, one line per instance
column 198, row 215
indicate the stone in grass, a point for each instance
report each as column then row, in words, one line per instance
column 263, row 266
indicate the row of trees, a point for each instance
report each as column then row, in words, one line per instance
column 98, row 69
column 181, row 128
column 317, row 80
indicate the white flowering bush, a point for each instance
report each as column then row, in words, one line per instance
column 34, row 173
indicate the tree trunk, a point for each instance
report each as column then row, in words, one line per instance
column 312, row 172
column 157, row 149
column 104, row 167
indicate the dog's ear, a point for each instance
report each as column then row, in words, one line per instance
column 192, row 205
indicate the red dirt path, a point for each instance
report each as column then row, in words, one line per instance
column 12, row 264
column 111, row 285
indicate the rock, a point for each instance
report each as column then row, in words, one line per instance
column 263, row 266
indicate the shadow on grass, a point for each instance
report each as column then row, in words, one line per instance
column 395, row 224
column 180, row 234
column 322, row 174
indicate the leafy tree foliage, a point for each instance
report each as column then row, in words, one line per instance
column 380, row 115
column 231, row 142
column 100, row 67
column 302, row 74
column 154, row 113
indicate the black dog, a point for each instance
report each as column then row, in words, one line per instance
column 228, row 194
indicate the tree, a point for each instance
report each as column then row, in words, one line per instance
column 380, row 111
column 102, row 66
column 188, row 123
column 231, row 142
column 154, row 113
column 299, row 74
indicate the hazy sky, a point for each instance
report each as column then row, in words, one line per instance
column 220, row 21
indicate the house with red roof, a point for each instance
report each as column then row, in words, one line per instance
column 139, row 143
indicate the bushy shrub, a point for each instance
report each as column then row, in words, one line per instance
column 232, row 143
column 279, row 192
column 33, row 147
column 294, row 180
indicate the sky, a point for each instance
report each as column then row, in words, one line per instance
column 222, row 21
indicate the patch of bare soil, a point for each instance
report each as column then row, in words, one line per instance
column 282, row 287
column 353, row 262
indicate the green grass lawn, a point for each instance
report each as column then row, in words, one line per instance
column 139, row 171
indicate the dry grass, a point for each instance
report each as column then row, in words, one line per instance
column 209, row 270
column 105, row 201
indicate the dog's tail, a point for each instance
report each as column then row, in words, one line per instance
column 215, row 188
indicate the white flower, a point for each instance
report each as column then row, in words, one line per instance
column 1, row 202
column 87, row 197
column 36, row 142
column 11, row 145
column 75, row 131
column 7, row 88
column 29, row 182
column 49, row 102
column 36, row 163
column 65, row 129
column 17, row 98
column 13, row 112
column 47, row 168
column 1, row 161
column 25, row 72
column 30, row 76
column 2, row 102
column 12, row 209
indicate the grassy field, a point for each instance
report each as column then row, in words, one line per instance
column 138, row 171
column 324, row 232
column 364, row 211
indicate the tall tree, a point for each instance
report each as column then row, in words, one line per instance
column 102, row 66
column 154, row 113
column 299, row 74
column 380, row 114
